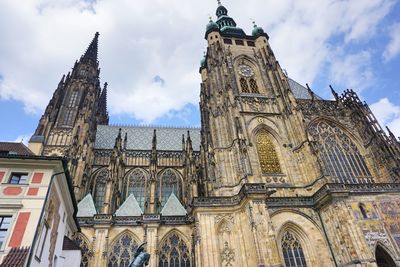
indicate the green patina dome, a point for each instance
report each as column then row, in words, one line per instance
column 257, row 31
column 212, row 26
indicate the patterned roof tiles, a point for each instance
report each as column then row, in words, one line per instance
column 140, row 137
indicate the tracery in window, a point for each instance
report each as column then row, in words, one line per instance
column 73, row 98
column 173, row 252
column 254, row 86
column 122, row 250
column 169, row 182
column 267, row 155
column 339, row 155
column 292, row 251
column 244, row 85
column 85, row 251
column 68, row 117
column 136, row 186
column 100, row 189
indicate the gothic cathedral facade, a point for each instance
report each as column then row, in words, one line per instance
column 275, row 176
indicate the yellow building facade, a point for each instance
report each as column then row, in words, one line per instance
column 275, row 176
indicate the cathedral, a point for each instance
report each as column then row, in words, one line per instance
column 275, row 176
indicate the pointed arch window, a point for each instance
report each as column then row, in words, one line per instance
column 100, row 189
column 85, row 250
column 174, row 252
column 254, row 86
column 292, row 251
column 363, row 210
column 339, row 155
column 267, row 155
column 72, row 99
column 122, row 250
column 137, row 186
column 244, row 85
column 169, row 183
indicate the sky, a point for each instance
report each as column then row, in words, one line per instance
column 149, row 53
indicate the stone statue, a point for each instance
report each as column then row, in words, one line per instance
column 141, row 257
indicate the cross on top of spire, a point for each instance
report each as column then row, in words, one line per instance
column 219, row 2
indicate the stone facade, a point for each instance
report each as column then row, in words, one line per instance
column 276, row 176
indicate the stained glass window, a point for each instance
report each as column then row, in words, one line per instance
column 267, row 155
column 254, row 86
column 122, row 250
column 340, row 157
column 84, row 245
column 173, row 252
column 100, row 189
column 292, row 251
column 169, row 182
column 136, row 186
column 244, row 85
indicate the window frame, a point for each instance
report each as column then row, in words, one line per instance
column 2, row 216
column 24, row 173
column 42, row 242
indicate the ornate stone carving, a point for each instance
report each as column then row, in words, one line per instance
column 227, row 255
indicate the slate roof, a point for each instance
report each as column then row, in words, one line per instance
column 173, row 207
column 299, row 91
column 86, row 207
column 129, row 208
column 12, row 148
column 168, row 138
column 68, row 244
column 140, row 137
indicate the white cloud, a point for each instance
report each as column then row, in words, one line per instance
column 393, row 47
column 142, row 39
column 388, row 114
column 353, row 71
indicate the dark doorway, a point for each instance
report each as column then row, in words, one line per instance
column 383, row 258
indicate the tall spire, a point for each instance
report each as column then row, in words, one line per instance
column 91, row 53
column 103, row 99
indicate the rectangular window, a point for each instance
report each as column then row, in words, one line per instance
column 251, row 43
column 18, row 178
column 227, row 41
column 41, row 242
column 239, row 42
column 5, row 222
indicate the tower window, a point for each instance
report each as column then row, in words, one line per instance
column 68, row 117
column 251, row 43
column 227, row 41
column 267, row 155
column 239, row 42
column 73, row 98
column 244, row 85
column 254, row 86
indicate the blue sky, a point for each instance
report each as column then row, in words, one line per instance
column 150, row 53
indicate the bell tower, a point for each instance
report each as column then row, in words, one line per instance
column 68, row 125
column 248, row 111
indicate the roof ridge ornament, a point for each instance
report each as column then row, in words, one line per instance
column 219, row 2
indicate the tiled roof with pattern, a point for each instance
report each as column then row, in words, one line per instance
column 299, row 91
column 16, row 257
column 140, row 137
column 15, row 149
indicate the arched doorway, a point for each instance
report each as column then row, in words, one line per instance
column 383, row 258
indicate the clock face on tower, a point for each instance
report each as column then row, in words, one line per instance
column 245, row 71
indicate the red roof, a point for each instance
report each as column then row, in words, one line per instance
column 11, row 148
column 16, row 257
